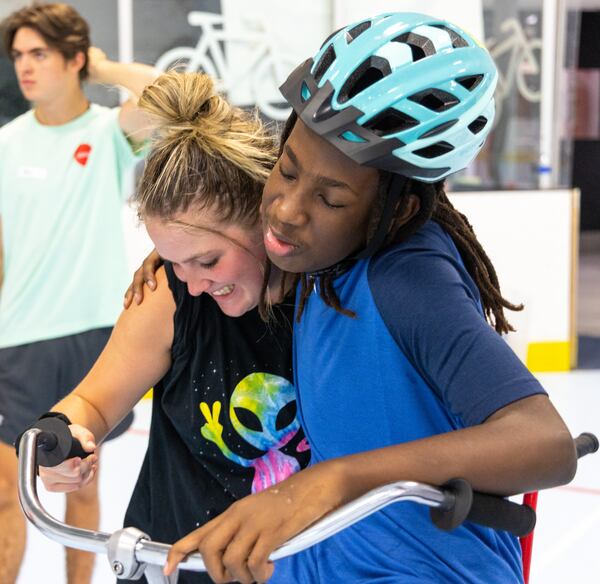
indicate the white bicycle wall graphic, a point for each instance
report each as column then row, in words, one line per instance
column 263, row 69
column 523, row 67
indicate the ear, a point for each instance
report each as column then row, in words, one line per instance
column 411, row 208
column 78, row 61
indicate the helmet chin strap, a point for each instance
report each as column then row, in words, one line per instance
column 394, row 192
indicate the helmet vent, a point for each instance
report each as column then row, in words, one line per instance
column 324, row 111
column 477, row 125
column 304, row 92
column 455, row 38
column 369, row 72
column 438, row 129
column 330, row 37
column 390, row 121
column 324, row 63
column 435, row 150
column 357, row 30
column 434, row 99
column 470, row 82
column 420, row 46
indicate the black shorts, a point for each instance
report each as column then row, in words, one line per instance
column 35, row 376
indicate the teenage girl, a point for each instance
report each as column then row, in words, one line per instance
column 224, row 412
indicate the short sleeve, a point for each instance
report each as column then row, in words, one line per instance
column 431, row 308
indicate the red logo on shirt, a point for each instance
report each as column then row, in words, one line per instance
column 82, row 154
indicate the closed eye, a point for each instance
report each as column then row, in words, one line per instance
column 328, row 204
column 284, row 174
column 208, row 265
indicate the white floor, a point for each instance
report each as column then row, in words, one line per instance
column 566, row 539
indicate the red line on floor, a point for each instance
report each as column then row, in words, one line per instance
column 582, row 490
column 138, row 431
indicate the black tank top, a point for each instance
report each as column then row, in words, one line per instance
column 224, row 419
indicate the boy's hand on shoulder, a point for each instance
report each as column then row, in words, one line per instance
column 236, row 545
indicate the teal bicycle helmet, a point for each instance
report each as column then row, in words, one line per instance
column 402, row 92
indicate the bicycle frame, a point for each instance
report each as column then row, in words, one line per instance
column 521, row 55
column 211, row 44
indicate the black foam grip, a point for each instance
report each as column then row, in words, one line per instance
column 502, row 514
column 458, row 499
column 586, row 443
column 57, row 444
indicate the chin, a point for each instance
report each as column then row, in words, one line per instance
column 294, row 265
column 239, row 309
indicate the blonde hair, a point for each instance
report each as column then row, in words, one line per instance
column 205, row 153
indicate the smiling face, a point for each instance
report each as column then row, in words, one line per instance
column 223, row 260
column 43, row 73
column 316, row 204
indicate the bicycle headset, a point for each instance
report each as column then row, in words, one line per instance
column 402, row 92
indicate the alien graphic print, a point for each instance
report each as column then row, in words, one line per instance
column 224, row 418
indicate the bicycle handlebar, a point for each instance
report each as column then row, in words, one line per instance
column 131, row 552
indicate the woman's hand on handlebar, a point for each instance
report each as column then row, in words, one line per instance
column 143, row 275
column 74, row 473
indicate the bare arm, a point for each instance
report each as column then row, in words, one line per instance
column 132, row 76
column 522, row 447
column 137, row 355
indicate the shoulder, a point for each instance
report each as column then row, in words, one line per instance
column 14, row 127
column 425, row 270
column 103, row 115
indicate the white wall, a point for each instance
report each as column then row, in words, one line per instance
column 529, row 237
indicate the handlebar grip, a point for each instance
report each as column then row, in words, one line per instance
column 586, row 443
column 502, row 514
column 56, row 443
column 488, row 510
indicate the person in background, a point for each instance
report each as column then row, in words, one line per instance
column 62, row 255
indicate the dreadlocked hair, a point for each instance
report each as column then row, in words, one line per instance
column 434, row 204
column 476, row 261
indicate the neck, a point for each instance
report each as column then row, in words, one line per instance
column 274, row 289
column 61, row 110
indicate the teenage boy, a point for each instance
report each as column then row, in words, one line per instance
column 62, row 257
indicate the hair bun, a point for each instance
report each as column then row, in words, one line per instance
column 180, row 102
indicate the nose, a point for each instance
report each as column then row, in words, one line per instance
column 198, row 286
column 23, row 64
column 289, row 206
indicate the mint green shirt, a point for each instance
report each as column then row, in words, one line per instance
column 61, row 198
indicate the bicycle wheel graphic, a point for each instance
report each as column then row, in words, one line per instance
column 185, row 59
column 266, row 79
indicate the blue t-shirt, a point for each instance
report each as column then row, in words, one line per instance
column 418, row 360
